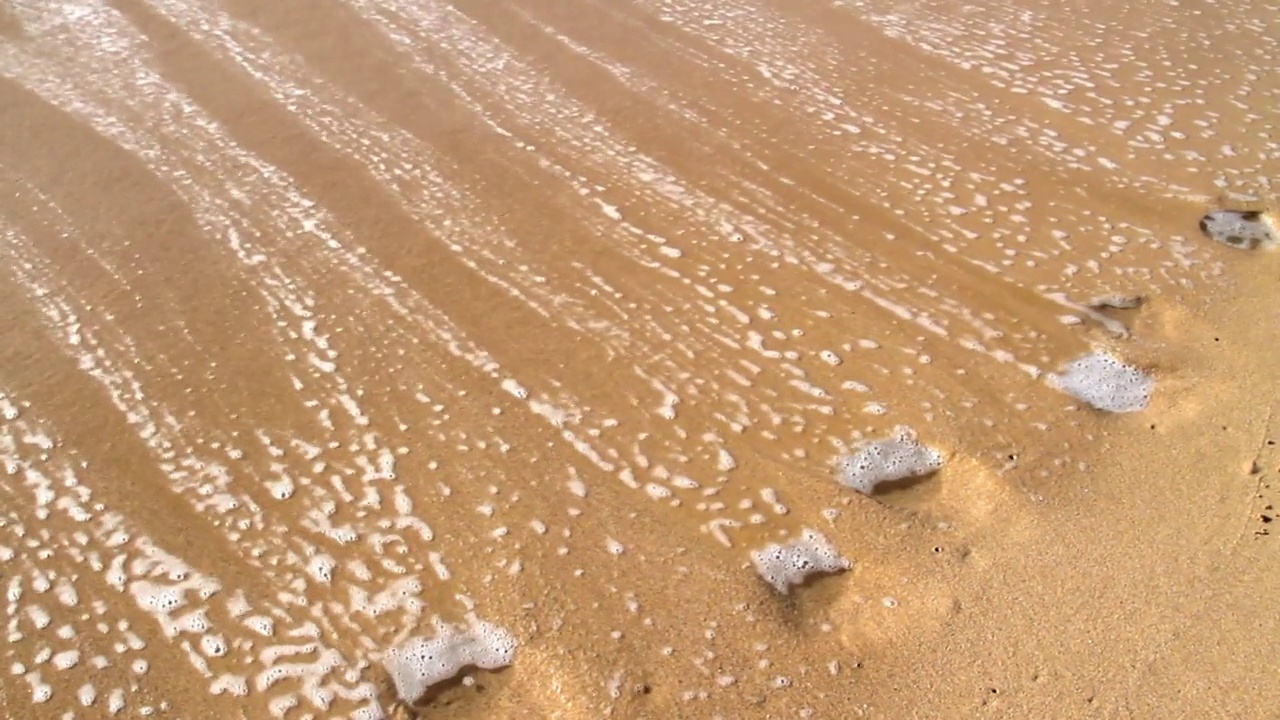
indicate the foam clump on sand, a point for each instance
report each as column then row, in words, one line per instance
column 898, row 457
column 784, row 565
column 1106, row 383
column 418, row 663
column 1246, row 230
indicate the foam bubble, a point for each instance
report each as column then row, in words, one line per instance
column 157, row 597
column 656, row 491
column 685, row 482
column 515, row 388
column 281, row 488
column 895, row 458
column 115, row 701
column 67, row 594
column 66, row 659
column 725, row 461
column 614, row 686
column 131, row 639
column 321, row 568
column 437, row 564
column 280, row 706
column 39, row 617
column 1243, row 230
column 193, row 622
column 418, row 663
column 785, row 565
column 1106, row 383
column 235, row 685
column 261, row 624
column 41, row 692
column 213, row 645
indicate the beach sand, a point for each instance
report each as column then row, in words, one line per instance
column 329, row 321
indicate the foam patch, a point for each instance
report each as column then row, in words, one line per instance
column 895, row 458
column 1246, row 230
column 785, row 565
column 1106, row 383
column 418, row 663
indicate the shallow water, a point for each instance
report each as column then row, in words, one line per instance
column 328, row 319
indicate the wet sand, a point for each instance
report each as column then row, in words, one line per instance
column 326, row 320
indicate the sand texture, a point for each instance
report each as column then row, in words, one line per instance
column 331, row 324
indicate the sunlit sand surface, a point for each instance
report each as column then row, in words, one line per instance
column 331, row 324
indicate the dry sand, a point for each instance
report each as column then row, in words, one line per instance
column 325, row 319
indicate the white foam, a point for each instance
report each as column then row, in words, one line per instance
column 685, row 482
column 115, row 701
column 8, row 409
column 656, row 491
column 282, row 488
column 614, row 686
column 1106, row 383
column 785, row 565
column 66, row 659
column 261, row 625
column 895, row 458
column 714, row 527
column 725, row 461
column 195, row 622
column 280, row 706
column 235, row 685
column 515, row 388
column 213, row 645
column 321, row 568
column 418, row 663
column 437, row 564
column 157, row 598
column 41, row 692
column 39, row 616
column 1243, row 230
column 67, row 594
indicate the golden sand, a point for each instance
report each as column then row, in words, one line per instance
column 327, row 320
